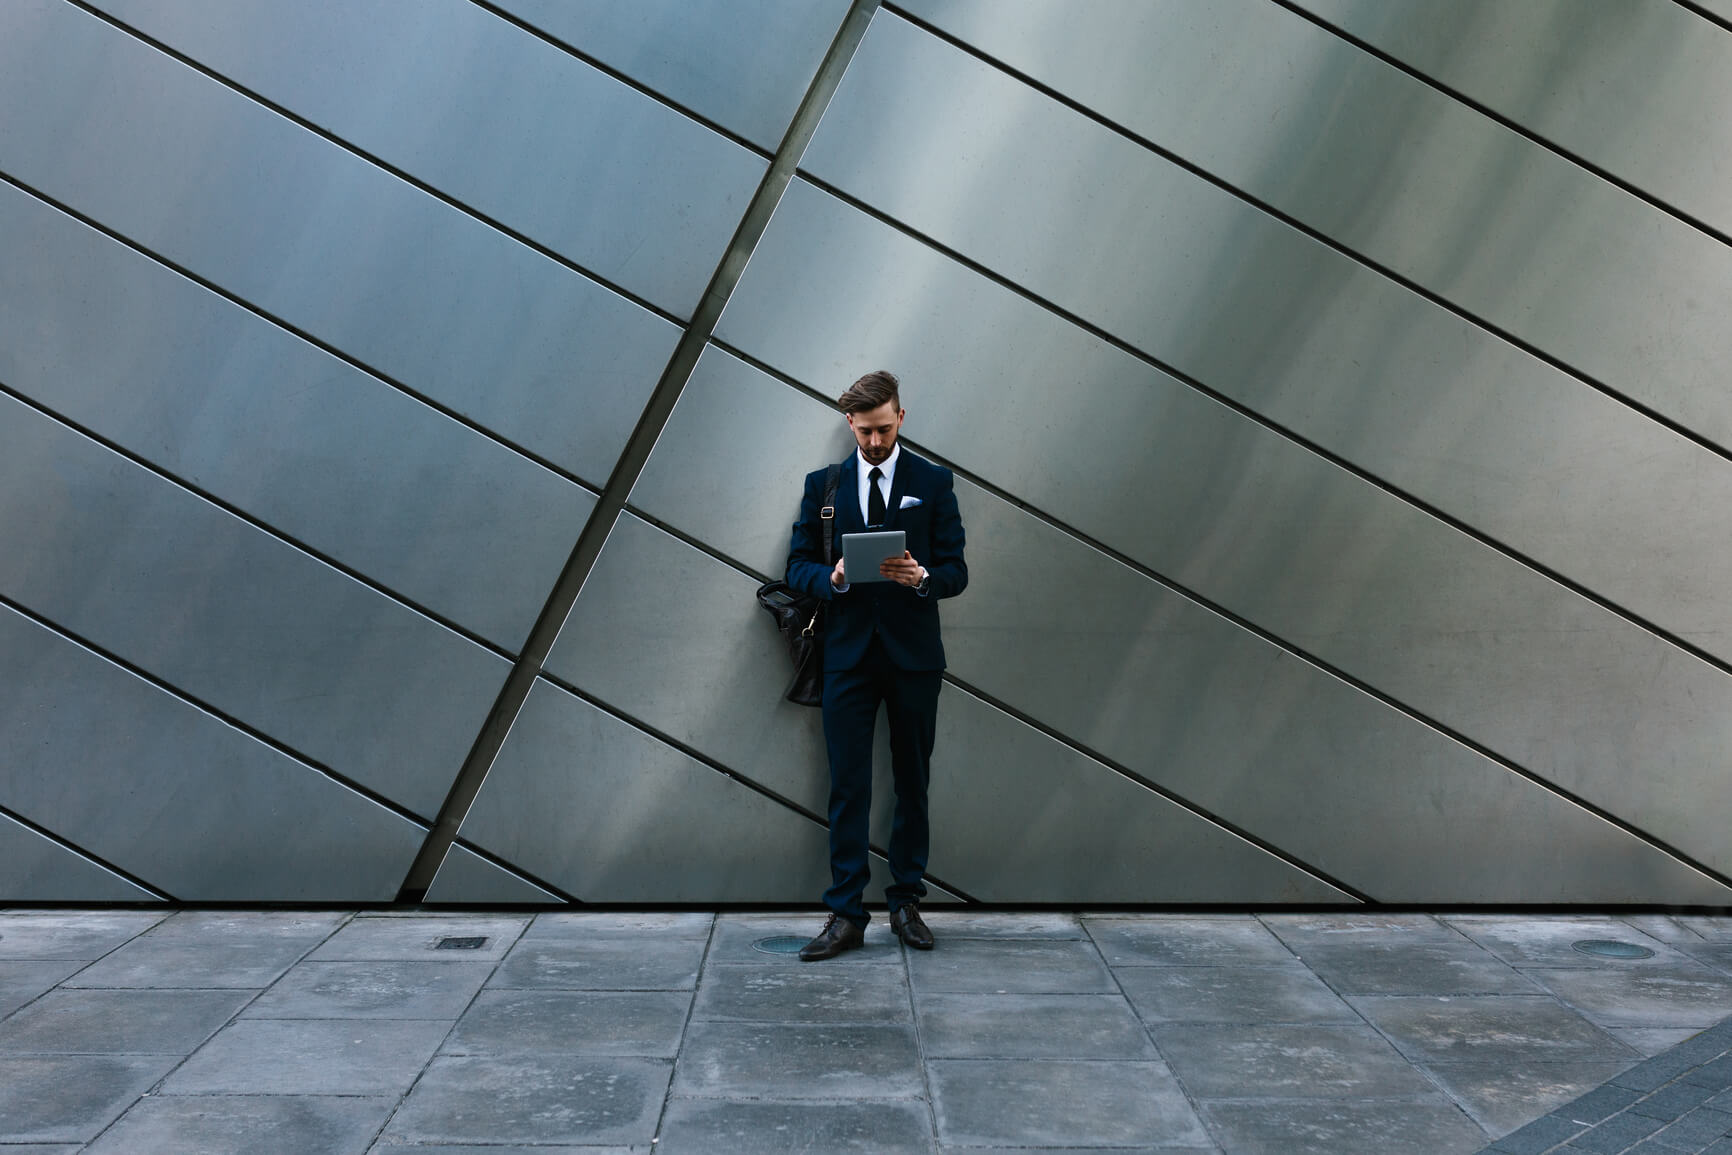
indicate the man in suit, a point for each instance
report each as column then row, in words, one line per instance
column 881, row 645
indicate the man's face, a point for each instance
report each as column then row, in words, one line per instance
column 875, row 431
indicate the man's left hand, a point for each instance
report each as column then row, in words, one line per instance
column 902, row 570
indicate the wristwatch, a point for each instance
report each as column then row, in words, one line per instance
column 925, row 580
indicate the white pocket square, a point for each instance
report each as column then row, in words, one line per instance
column 909, row 503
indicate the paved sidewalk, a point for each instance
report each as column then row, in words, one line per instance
column 133, row 1031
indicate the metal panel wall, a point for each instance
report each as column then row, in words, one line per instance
column 174, row 796
column 287, row 433
column 1334, row 390
column 502, row 121
column 411, row 287
column 1593, row 76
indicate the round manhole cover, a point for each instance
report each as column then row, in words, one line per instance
column 780, row 944
column 1611, row 948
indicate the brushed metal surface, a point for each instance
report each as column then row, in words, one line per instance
column 38, row 869
column 745, row 64
column 609, row 814
column 282, row 430
column 174, row 796
column 1010, row 805
column 1274, row 105
column 1638, row 87
column 1497, row 438
column 501, row 120
column 236, row 618
column 1214, row 713
column 466, row 877
column 312, row 234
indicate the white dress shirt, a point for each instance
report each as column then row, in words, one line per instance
column 884, row 483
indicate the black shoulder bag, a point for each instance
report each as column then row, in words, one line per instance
column 800, row 616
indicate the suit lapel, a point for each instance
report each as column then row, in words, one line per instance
column 898, row 486
column 848, row 519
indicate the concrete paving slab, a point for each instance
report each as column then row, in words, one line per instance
column 310, row 1057
column 1273, row 993
column 71, row 1098
column 71, row 934
column 1663, row 927
column 1011, row 967
column 438, row 989
column 240, row 949
column 119, row 1022
column 1683, row 994
column 565, row 926
column 21, row 981
column 997, row 924
column 1513, row 1030
column 1502, row 1096
column 945, row 1149
column 796, row 992
column 1650, row 1041
column 706, row 1126
column 43, row 1148
column 1287, row 1062
column 368, row 937
column 1241, row 941
column 1709, row 927
column 1050, row 1103
column 1303, row 931
column 1716, row 955
column 257, row 1125
column 1425, row 1125
column 794, row 1061
column 608, row 964
column 954, row 1026
column 735, row 934
column 1402, row 968
column 1549, row 942
column 534, row 1100
column 502, row 1023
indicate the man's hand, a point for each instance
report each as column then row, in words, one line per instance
column 902, row 570
column 837, row 578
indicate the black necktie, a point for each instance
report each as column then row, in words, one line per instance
column 875, row 503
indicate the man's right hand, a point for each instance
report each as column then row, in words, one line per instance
column 837, row 578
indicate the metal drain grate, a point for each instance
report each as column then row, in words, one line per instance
column 780, row 944
column 1611, row 948
column 475, row 943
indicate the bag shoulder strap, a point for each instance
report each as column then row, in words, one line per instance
column 827, row 513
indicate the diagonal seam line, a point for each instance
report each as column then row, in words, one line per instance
column 67, row 844
column 256, row 522
column 491, row 739
column 189, row 699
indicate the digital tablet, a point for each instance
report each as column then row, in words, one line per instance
column 861, row 553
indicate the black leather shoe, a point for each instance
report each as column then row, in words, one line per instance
column 906, row 925
column 837, row 936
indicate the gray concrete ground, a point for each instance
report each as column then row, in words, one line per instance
column 132, row 1031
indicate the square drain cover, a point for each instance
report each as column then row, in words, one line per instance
column 475, row 943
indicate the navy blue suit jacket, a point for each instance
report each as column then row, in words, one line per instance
column 907, row 621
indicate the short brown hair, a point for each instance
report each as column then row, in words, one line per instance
column 871, row 391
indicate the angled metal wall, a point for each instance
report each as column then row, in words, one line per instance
column 400, row 399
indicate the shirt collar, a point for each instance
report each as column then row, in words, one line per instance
column 888, row 468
